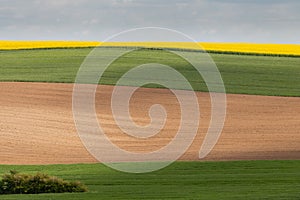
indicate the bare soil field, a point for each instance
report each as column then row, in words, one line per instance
column 37, row 126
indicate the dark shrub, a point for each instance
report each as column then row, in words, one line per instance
column 16, row 183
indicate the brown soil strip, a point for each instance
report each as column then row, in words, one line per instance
column 37, row 127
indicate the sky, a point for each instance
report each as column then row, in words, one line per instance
column 258, row 21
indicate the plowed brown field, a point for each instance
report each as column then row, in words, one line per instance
column 37, row 127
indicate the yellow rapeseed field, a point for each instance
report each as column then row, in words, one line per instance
column 14, row 45
column 283, row 49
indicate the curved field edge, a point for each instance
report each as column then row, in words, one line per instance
column 246, row 53
column 289, row 50
column 181, row 180
column 258, row 75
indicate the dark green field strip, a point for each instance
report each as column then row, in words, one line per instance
column 262, row 75
column 165, row 48
column 181, row 180
column 212, row 51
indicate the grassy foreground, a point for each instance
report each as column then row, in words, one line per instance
column 181, row 180
column 262, row 75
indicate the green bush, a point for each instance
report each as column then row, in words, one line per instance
column 16, row 183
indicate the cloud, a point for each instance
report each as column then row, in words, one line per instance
column 205, row 20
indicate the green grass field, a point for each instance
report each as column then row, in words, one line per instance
column 181, row 180
column 242, row 74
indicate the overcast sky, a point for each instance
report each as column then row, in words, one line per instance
column 263, row 21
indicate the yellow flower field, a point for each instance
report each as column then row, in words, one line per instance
column 283, row 49
column 13, row 45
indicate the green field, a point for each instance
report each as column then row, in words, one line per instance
column 181, row 180
column 242, row 74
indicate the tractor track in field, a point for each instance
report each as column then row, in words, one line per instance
column 37, row 127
